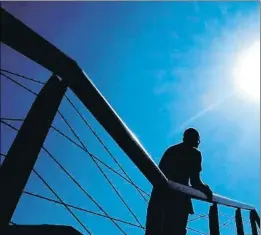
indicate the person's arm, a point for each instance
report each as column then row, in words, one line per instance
column 198, row 184
column 195, row 179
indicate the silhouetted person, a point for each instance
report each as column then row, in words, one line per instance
column 168, row 211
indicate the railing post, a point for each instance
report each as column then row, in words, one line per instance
column 239, row 222
column 253, row 222
column 213, row 220
column 257, row 218
column 24, row 151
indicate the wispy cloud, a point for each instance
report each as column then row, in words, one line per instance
column 165, row 87
column 196, row 6
column 160, row 74
column 180, row 72
column 175, row 35
column 176, row 54
column 223, row 8
column 215, row 51
column 169, row 81
column 211, row 25
column 193, row 19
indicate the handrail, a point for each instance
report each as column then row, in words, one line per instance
column 21, row 38
column 196, row 194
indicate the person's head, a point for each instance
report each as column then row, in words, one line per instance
column 191, row 137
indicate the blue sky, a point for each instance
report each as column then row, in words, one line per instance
column 163, row 66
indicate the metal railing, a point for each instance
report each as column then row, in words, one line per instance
column 68, row 74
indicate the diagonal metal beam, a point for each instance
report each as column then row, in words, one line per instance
column 23, row 153
column 18, row 36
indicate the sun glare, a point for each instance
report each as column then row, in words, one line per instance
column 247, row 71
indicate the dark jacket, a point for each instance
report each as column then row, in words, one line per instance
column 179, row 163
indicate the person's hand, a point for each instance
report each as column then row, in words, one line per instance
column 208, row 192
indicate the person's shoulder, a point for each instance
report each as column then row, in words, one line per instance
column 172, row 149
column 175, row 147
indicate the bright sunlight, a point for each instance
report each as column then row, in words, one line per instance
column 247, row 71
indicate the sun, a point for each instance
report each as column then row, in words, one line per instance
column 247, row 71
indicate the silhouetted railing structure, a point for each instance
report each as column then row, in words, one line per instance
column 31, row 136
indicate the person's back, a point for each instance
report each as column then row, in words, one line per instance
column 179, row 162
